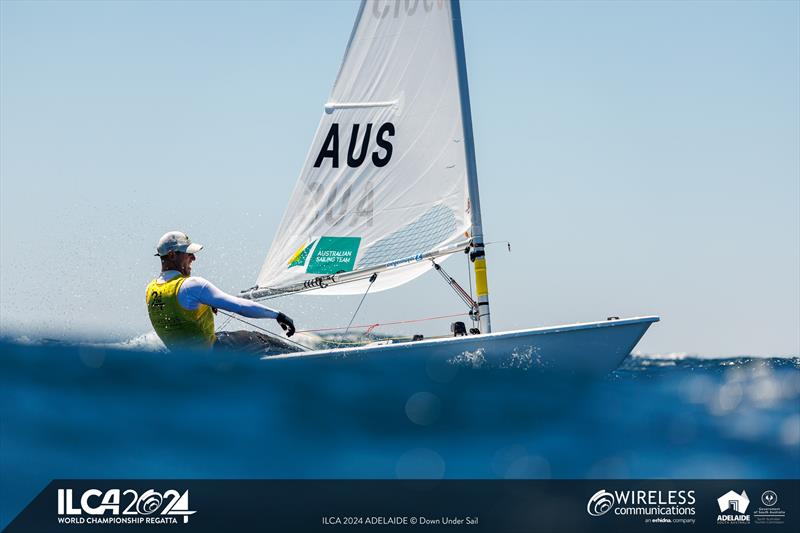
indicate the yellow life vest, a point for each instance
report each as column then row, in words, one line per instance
column 175, row 325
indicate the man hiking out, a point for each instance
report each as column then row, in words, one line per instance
column 182, row 306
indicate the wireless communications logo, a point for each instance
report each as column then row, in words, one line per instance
column 653, row 506
column 116, row 506
column 600, row 503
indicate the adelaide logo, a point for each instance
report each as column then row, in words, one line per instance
column 733, row 508
column 600, row 503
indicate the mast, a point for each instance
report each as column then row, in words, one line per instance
column 478, row 256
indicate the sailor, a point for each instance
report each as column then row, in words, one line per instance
column 182, row 306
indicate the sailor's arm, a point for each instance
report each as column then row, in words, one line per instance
column 210, row 295
column 197, row 290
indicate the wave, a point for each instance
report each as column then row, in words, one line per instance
column 146, row 342
column 681, row 356
column 149, row 342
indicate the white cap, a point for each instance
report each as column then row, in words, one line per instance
column 177, row 241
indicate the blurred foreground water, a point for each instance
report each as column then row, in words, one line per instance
column 89, row 412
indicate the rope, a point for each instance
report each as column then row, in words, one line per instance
column 266, row 331
column 373, row 326
column 369, row 327
column 227, row 321
column 371, row 281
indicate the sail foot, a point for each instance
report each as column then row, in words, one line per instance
column 322, row 282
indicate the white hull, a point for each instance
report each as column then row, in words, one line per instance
column 594, row 347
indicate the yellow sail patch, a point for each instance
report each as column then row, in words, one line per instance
column 299, row 257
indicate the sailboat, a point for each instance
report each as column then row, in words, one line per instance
column 389, row 191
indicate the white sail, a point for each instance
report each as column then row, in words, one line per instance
column 385, row 178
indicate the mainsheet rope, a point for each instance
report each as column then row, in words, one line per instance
column 369, row 328
column 264, row 330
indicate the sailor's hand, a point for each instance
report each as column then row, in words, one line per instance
column 286, row 323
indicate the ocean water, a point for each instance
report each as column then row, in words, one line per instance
column 129, row 410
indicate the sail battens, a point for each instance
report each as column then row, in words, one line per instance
column 330, row 107
column 426, row 204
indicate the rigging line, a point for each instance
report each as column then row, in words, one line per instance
column 227, row 321
column 385, row 323
column 507, row 243
column 371, row 281
column 222, row 326
column 264, row 330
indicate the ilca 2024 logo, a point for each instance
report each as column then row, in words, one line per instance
column 116, row 506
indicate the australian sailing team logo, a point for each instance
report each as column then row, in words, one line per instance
column 331, row 255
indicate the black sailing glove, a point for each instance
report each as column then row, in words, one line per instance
column 286, row 323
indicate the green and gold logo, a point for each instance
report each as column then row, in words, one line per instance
column 334, row 254
column 330, row 255
column 300, row 256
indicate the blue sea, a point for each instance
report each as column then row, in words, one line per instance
column 121, row 411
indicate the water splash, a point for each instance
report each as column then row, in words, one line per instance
column 146, row 342
column 475, row 359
